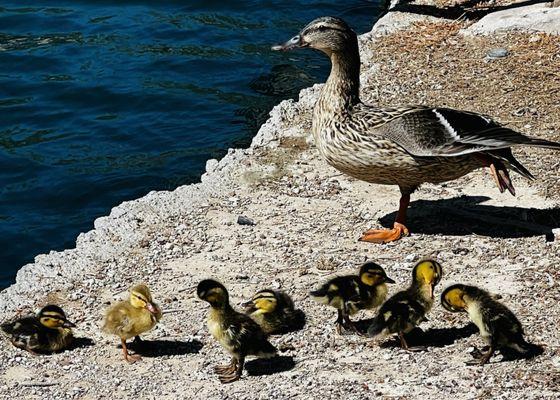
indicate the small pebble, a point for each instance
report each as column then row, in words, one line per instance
column 243, row 220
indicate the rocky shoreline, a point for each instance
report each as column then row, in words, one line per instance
column 308, row 217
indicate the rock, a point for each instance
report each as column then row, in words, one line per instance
column 396, row 20
column 243, row 220
column 533, row 18
column 497, row 53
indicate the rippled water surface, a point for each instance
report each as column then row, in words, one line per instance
column 101, row 103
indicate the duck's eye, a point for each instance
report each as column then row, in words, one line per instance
column 322, row 28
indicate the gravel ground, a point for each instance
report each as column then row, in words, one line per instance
column 308, row 217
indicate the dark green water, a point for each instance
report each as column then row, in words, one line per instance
column 101, row 103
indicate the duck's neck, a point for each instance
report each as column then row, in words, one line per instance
column 342, row 89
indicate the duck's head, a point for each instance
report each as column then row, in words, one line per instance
column 263, row 302
column 372, row 274
column 427, row 273
column 453, row 298
column 327, row 34
column 140, row 297
column 213, row 292
column 53, row 316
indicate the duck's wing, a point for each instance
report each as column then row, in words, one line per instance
column 440, row 132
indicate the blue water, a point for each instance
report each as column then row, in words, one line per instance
column 101, row 103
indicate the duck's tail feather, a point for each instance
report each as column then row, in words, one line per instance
column 526, row 349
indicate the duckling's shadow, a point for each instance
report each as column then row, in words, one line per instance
column 433, row 337
column 269, row 366
column 80, row 342
column 158, row 348
column 464, row 215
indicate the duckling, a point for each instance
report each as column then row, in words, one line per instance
column 404, row 145
column 128, row 319
column 47, row 332
column 236, row 332
column 274, row 311
column 498, row 326
column 408, row 308
column 351, row 293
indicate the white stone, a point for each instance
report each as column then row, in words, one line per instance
column 534, row 18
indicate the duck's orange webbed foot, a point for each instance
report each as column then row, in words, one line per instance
column 385, row 235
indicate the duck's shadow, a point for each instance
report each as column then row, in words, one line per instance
column 158, row 348
column 80, row 342
column 269, row 366
column 433, row 337
column 465, row 215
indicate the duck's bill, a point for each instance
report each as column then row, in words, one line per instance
column 68, row 324
column 389, row 280
column 249, row 306
column 294, row 43
column 152, row 308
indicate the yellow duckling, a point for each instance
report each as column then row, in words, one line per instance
column 498, row 326
column 407, row 309
column 128, row 319
column 275, row 312
column 351, row 293
column 47, row 332
column 236, row 332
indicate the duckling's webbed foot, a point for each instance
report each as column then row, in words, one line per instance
column 129, row 358
column 233, row 372
column 479, row 357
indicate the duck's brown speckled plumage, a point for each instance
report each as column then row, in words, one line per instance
column 404, row 146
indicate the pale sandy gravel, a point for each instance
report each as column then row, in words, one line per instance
column 308, row 218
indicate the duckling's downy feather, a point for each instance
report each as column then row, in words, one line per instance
column 29, row 334
column 126, row 321
column 238, row 333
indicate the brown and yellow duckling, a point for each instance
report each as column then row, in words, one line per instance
column 406, row 309
column 405, row 145
column 235, row 331
column 130, row 318
column 47, row 332
column 275, row 312
column 498, row 326
column 351, row 293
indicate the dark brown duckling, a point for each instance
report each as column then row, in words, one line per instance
column 236, row 332
column 275, row 312
column 405, row 310
column 498, row 326
column 47, row 332
column 351, row 293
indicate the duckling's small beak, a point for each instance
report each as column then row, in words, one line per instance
column 294, row 43
column 151, row 308
column 389, row 280
column 68, row 324
column 249, row 306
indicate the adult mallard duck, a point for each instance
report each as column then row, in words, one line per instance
column 404, row 146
